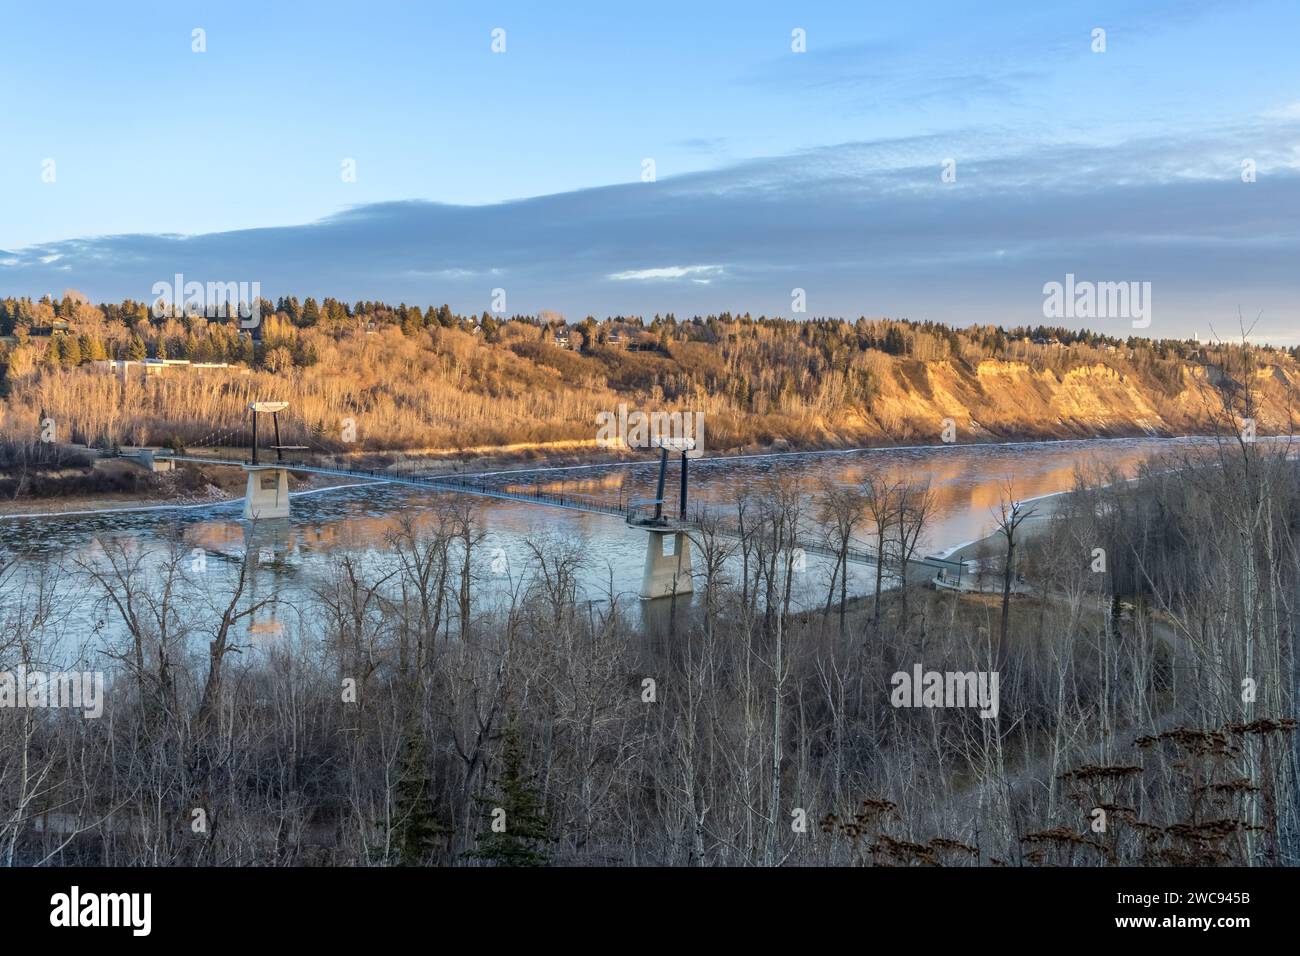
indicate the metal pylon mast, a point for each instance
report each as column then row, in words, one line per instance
column 275, row 408
column 664, row 447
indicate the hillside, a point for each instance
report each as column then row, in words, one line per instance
column 412, row 380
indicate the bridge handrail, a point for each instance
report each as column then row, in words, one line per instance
column 447, row 482
column 573, row 502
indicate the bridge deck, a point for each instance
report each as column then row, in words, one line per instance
column 569, row 502
column 452, row 484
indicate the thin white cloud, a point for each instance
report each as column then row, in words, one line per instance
column 1290, row 111
column 695, row 273
column 443, row 273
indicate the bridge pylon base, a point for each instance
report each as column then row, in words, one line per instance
column 267, row 495
column 666, row 574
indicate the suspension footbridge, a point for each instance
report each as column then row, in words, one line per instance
column 671, row 531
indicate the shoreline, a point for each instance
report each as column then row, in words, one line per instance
column 816, row 452
column 96, row 505
column 79, row 506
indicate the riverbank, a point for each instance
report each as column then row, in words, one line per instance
column 195, row 486
column 202, row 487
column 556, row 455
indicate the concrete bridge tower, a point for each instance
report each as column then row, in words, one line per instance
column 667, row 571
column 668, row 546
column 267, row 494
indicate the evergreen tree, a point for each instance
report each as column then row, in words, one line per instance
column 22, row 314
column 310, row 314
column 71, row 351
column 54, row 353
column 895, row 343
column 136, row 351
column 412, row 321
column 516, row 829
column 416, row 828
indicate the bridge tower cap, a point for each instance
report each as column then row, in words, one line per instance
column 674, row 444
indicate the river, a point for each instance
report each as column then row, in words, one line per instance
column 295, row 555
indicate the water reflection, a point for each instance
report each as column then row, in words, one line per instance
column 289, row 557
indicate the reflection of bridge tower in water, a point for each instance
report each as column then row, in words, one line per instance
column 266, row 546
column 668, row 548
column 267, row 494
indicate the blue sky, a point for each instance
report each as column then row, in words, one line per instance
column 774, row 169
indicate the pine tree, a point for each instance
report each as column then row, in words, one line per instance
column 71, row 351
column 310, row 314
column 516, row 828
column 412, row 321
column 895, row 343
column 22, row 314
column 416, row 828
column 137, row 352
column 54, row 352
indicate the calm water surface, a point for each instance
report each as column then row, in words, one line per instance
column 295, row 555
